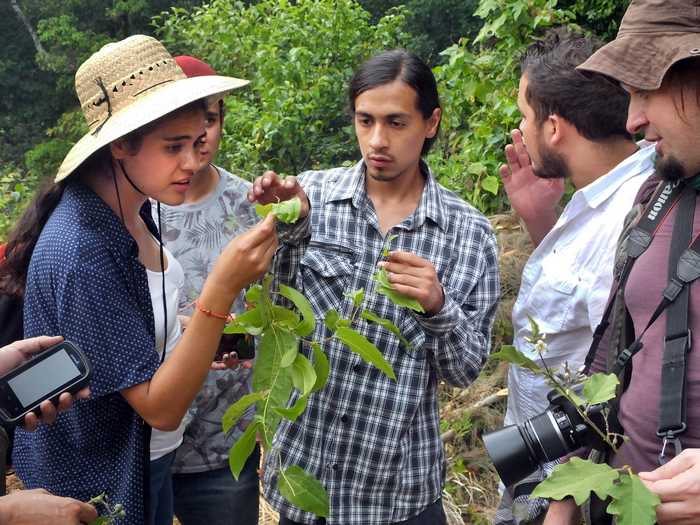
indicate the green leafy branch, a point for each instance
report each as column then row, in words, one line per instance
column 280, row 368
column 631, row 502
column 111, row 512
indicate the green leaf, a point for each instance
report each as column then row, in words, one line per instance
column 303, row 374
column 303, row 490
column 274, row 343
column 633, row 503
column 249, row 322
column 253, row 294
column 102, row 520
column 269, row 375
column 242, row 448
column 387, row 243
column 235, row 411
column 331, row 319
column 388, row 325
column 600, row 388
column 293, row 412
column 534, row 329
column 284, row 316
column 359, row 344
column 384, row 287
column 357, row 296
column 285, row 211
column 288, row 356
column 490, row 184
column 510, row 354
column 308, row 322
column 578, row 477
column 321, row 366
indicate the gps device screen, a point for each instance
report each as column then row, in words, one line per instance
column 45, row 376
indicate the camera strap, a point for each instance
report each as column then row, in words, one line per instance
column 638, row 240
column 684, row 268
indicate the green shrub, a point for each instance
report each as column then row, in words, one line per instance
column 15, row 194
column 479, row 92
column 298, row 57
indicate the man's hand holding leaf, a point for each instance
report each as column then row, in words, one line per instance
column 416, row 278
column 271, row 188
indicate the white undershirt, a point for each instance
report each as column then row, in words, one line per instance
column 162, row 442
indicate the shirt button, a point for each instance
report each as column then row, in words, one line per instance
column 357, row 368
column 334, row 466
column 344, row 418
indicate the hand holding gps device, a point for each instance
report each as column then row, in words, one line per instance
column 61, row 368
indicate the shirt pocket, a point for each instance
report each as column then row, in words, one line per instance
column 326, row 273
column 553, row 298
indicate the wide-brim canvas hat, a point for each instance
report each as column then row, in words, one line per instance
column 653, row 36
column 128, row 84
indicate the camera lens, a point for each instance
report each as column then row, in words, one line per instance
column 547, row 434
column 516, row 451
column 510, row 453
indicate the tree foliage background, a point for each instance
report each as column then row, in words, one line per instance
column 299, row 56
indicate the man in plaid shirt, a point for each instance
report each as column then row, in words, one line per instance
column 373, row 442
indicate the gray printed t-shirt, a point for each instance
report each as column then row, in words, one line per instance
column 196, row 234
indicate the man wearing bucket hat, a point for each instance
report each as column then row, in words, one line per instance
column 656, row 58
column 100, row 277
column 215, row 211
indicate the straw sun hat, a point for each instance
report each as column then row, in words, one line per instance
column 126, row 85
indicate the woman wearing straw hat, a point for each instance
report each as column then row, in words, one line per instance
column 99, row 277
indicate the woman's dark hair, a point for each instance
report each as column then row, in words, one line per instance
column 594, row 104
column 23, row 238
column 25, row 234
column 392, row 65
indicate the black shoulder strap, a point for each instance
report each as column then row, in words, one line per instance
column 677, row 343
column 637, row 241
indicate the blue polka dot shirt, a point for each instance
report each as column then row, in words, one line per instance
column 85, row 282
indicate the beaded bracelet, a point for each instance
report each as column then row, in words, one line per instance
column 226, row 317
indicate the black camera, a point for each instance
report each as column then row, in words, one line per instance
column 517, row 450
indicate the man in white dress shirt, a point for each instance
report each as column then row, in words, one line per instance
column 572, row 127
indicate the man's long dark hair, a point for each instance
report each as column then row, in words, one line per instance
column 398, row 64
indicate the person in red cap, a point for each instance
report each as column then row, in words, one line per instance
column 656, row 58
column 215, row 210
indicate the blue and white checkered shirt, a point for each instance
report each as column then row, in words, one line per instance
column 373, row 442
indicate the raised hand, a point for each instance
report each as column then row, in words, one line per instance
column 247, row 257
column 533, row 198
column 272, row 188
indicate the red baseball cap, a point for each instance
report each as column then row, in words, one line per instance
column 193, row 67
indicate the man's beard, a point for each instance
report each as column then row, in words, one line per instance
column 384, row 177
column 670, row 169
column 552, row 165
